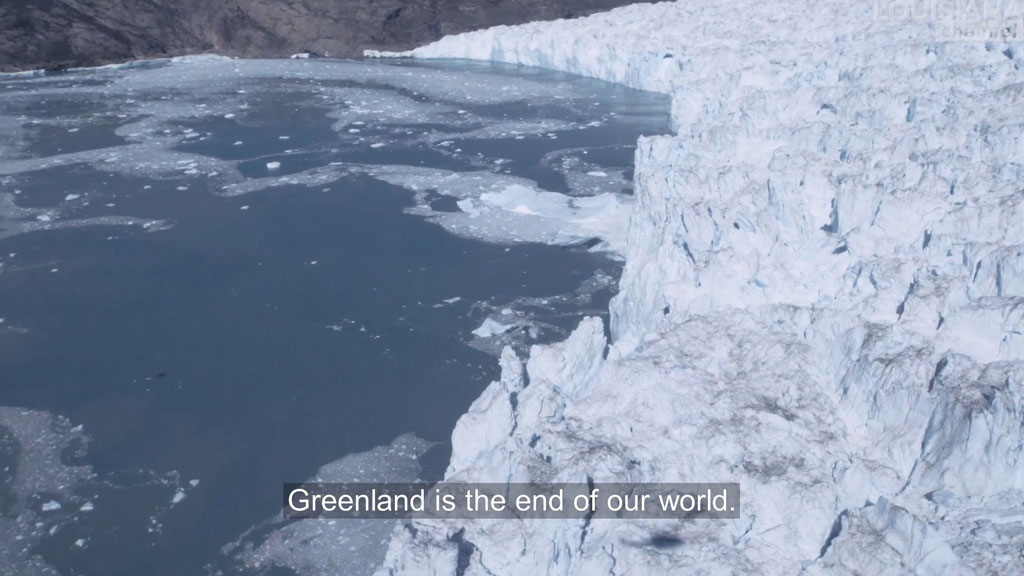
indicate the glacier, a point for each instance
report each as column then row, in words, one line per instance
column 823, row 299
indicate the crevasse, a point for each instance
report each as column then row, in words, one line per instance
column 823, row 299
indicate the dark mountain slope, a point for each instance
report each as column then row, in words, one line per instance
column 69, row 33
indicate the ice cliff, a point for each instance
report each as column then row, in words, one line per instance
column 823, row 300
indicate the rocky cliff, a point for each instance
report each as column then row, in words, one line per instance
column 58, row 34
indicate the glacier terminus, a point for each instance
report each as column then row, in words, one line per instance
column 823, row 299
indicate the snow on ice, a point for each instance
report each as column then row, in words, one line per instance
column 823, row 299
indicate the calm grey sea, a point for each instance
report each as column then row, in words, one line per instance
column 198, row 327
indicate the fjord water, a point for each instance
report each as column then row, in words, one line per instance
column 217, row 327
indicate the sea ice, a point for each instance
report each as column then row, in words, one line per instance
column 351, row 547
column 501, row 208
column 491, row 328
column 40, row 441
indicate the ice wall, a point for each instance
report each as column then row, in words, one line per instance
column 823, row 299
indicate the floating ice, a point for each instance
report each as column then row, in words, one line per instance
column 18, row 220
column 273, row 165
column 391, row 98
column 351, row 547
column 502, row 208
column 491, row 328
column 39, row 441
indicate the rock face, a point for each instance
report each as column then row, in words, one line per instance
column 823, row 300
column 70, row 33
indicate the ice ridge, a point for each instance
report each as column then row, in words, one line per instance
column 823, row 299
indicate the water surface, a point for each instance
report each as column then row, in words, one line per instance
column 217, row 328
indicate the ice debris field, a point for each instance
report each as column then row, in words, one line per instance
column 160, row 120
column 186, row 153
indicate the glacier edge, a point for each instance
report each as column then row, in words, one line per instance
column 823, row 299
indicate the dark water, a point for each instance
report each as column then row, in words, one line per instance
column 260, row 336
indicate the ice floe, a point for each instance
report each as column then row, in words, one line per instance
column 507, row 209
column 352, row 547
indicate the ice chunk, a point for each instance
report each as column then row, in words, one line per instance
column 273, row 165
column 502, row 208
column 523, row 209
column 491, row 328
